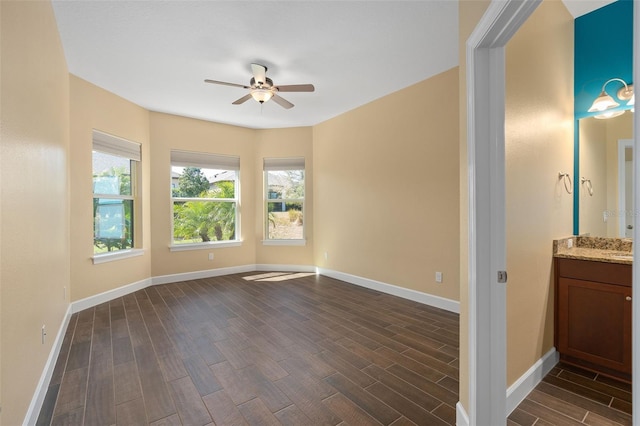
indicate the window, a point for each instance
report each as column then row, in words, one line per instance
column 284, row 199
column 204, row 194
column 115, row 162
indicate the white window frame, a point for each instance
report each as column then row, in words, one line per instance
column 283, row 164
column 203, row 160
column 113, row 145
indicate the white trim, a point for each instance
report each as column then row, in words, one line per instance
column 97, row 299
column 300, row 242
column 284, row 268
column 116, row 255
column 462, row 418
column 45, row 378
column 405, row 293
column 204, row 246
column 207, row 273
column 519, row 390
column 485, row 80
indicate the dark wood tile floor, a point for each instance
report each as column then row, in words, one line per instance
column 572, row 396
column 257, row 349
column 291, row 349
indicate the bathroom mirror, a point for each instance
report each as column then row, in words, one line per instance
column 604, row 186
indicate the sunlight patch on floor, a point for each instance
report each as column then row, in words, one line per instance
column 278, row 276
column 265, row 275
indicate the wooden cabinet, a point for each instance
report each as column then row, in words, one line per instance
column 593, row 315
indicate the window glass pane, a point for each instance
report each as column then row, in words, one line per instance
column 195, row 182
column 203, row 221
column 285, row 220
column 113, row 225
column 111, row 174
column 285, row 184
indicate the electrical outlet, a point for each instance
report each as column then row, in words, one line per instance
column 210, row 256
column 44, row 333
column 326, row 255
column 570, row 243
column 438, row 277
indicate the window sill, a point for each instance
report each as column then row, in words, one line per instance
column 284, row 242
column 204, row 246
column 117, row 255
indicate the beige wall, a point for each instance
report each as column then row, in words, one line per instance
column 294, row 142
column 539, row 138
column 95, row 108
column 386, row 188
column 469, row 13
column 539, row 143
column 173, row 132
column 34, row 165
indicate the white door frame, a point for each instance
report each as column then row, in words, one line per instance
column 487, row 235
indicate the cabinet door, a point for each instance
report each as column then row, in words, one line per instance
column 594, row 322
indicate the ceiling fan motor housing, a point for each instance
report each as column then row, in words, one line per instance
column 266, row 85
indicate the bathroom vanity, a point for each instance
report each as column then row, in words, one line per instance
column 593, row 305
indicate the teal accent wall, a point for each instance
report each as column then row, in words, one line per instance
column 603, row 49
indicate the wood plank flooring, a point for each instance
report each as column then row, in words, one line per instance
column 256, row 349
column 284, row 349
column 572, row 396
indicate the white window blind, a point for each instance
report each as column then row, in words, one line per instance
column 205, row 161
column 293, row 163
column 114, row 145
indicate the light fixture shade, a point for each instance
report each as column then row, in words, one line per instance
column 261, row 95
column 603, row 102
column 609, row 114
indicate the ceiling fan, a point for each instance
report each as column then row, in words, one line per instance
column 261, row 88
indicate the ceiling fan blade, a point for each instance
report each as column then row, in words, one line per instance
column 242, row 100
column 224, row 83
column 282, row 102
column 296, row 88
column 259, row 73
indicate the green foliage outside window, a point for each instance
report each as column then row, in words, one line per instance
column 202, row 218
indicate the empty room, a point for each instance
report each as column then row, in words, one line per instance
column 283, row 212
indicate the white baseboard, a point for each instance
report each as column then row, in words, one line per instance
column 462, row 419
column 45, row 378
column 405, row 293
column 208, row 273
column 284, row 268
column 519, row 390
column 95, row 300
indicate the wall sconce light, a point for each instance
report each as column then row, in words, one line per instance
column 604, row 102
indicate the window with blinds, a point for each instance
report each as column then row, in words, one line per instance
column 204, row 196
column 284, row 199
column 115, row 164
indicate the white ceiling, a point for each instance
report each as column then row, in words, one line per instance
column 157, row 53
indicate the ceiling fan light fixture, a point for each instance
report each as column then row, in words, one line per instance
column 261, row 95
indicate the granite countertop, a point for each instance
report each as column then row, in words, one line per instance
column 597, row 249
